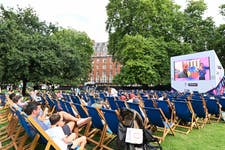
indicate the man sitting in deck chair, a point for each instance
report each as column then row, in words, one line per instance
column 34, row 109
column 64, row 141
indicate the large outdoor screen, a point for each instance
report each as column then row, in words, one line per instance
column 192, row 69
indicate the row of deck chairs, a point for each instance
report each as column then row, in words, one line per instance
column 104, row 126
column 188, row 114
column 181, row 117
column 21, row 132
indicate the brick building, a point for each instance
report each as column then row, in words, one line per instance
column 103, row 68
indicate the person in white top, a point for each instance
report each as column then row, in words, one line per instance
column 113, row 92
column 65, row 142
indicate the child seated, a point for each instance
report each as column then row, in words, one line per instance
column 57, row 133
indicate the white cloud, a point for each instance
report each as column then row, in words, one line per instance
column 86, row 15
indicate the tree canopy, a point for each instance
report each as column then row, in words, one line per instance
column 144, row 34
column 32, row 50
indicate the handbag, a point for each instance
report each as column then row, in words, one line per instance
column 134, row 136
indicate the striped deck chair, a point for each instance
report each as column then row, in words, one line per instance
column 186, row 116
column 157, row 118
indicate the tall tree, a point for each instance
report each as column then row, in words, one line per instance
column 154, row 21
column 30, row 52
column 197, row 31
column 75, row 51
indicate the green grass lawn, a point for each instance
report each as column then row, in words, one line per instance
column 211, row 137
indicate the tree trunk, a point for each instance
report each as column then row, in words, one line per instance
column 24, row 87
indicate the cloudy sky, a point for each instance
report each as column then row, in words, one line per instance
column 88, row 15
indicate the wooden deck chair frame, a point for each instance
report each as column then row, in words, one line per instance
column 121, row 104
column 140, row 111
column 112, row 103
column 7, row 134
column 185, row 112
column 98, row 126
column 157, row 118
column 70, row 108
column 50, row 103
column 82, row 112
column 167, row 109
column 201, row 111
column 25, row 125
column 50, row 142
column 214, row 109
column 111, row 118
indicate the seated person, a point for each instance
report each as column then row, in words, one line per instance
column 57, row 133
column 34, row 109
column 18, row 102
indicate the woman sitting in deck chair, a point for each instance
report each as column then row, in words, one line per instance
column 57, row 133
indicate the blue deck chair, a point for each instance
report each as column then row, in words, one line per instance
column 201, row 111
column 98, row 126
column 102, row 95
column 50, row 103
column 67, row 97
column 166, row 108
column 222, row 102
column 57, row 107
column 157, row 118
column 149, row 103
column 112, row 103
column 121, row 104
column 70, row 109
column 186, row 116
column 63, row 105
column 50, row 143
column 30, row 132
column 111, row 118
column 81, row 110
column 7, row 131
column 214, row 108
column 75, row 99
column 137, row 108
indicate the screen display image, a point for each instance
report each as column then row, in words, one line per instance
column 192, row 69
